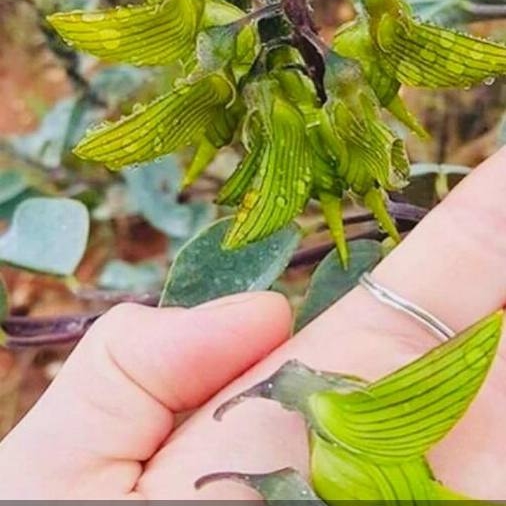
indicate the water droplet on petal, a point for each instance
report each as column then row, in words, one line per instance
column 111, row 38
column 281, row 201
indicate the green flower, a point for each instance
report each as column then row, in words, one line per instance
column 274, row 179
column 368, row 441
column 393, row 48
column 170, row 122
column 308, row 117
column 154, row 33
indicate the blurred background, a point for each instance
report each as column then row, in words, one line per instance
column 49, row 96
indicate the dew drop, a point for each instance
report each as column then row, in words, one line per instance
column 300, row 187
column 111, row 38
column 281, row 201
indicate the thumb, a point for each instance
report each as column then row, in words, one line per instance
column 114, row 401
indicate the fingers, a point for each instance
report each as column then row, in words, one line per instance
column 113, row 403
column 452, row 265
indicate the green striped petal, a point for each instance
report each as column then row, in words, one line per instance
column 170, row 122
column 236, row 186
column 401, row 416
column 338, row 474
column 420, row 54
column 282, row 184
column 149, row 34
column 354, row 41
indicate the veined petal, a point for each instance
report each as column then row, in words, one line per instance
column 282, row 184
column 354, row 41
column 338, row 474
column 401, row 416
column 420, row 54
column 238, row 183
column 155, row 33
column 161, row 127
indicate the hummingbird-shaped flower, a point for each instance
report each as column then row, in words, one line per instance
column 395, row 48
column 308, row 116
column 368, row 441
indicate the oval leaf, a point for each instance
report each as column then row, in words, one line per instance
column 12, row 184
column 46, row 235
column 203, row 270
column 330, row 281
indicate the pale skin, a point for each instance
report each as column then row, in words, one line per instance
column 105, row 428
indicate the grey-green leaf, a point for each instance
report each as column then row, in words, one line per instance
column 12, row 184
column 46, row 235
column 330, row 281
column 203, row 270
column 124, row 276
column 154, row 189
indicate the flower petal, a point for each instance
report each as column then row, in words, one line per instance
column 402, row 415
column 164, row 125
column 148, row 34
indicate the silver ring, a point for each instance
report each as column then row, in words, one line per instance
column 436, row 326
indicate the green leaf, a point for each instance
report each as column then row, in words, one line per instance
column 203, row 271
column 12, row 184
column 46, row 235
column 276, row 488
column 402, row 415
column 337, row 473
column 330, row 281
column 127, row 277
column 154, row 190
column 166, row 124
column 148, row 34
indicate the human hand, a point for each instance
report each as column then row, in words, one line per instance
column 101, row 430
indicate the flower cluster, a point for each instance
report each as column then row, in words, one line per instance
column 308, row 115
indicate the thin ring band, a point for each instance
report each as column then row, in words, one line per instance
column 385, row 296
